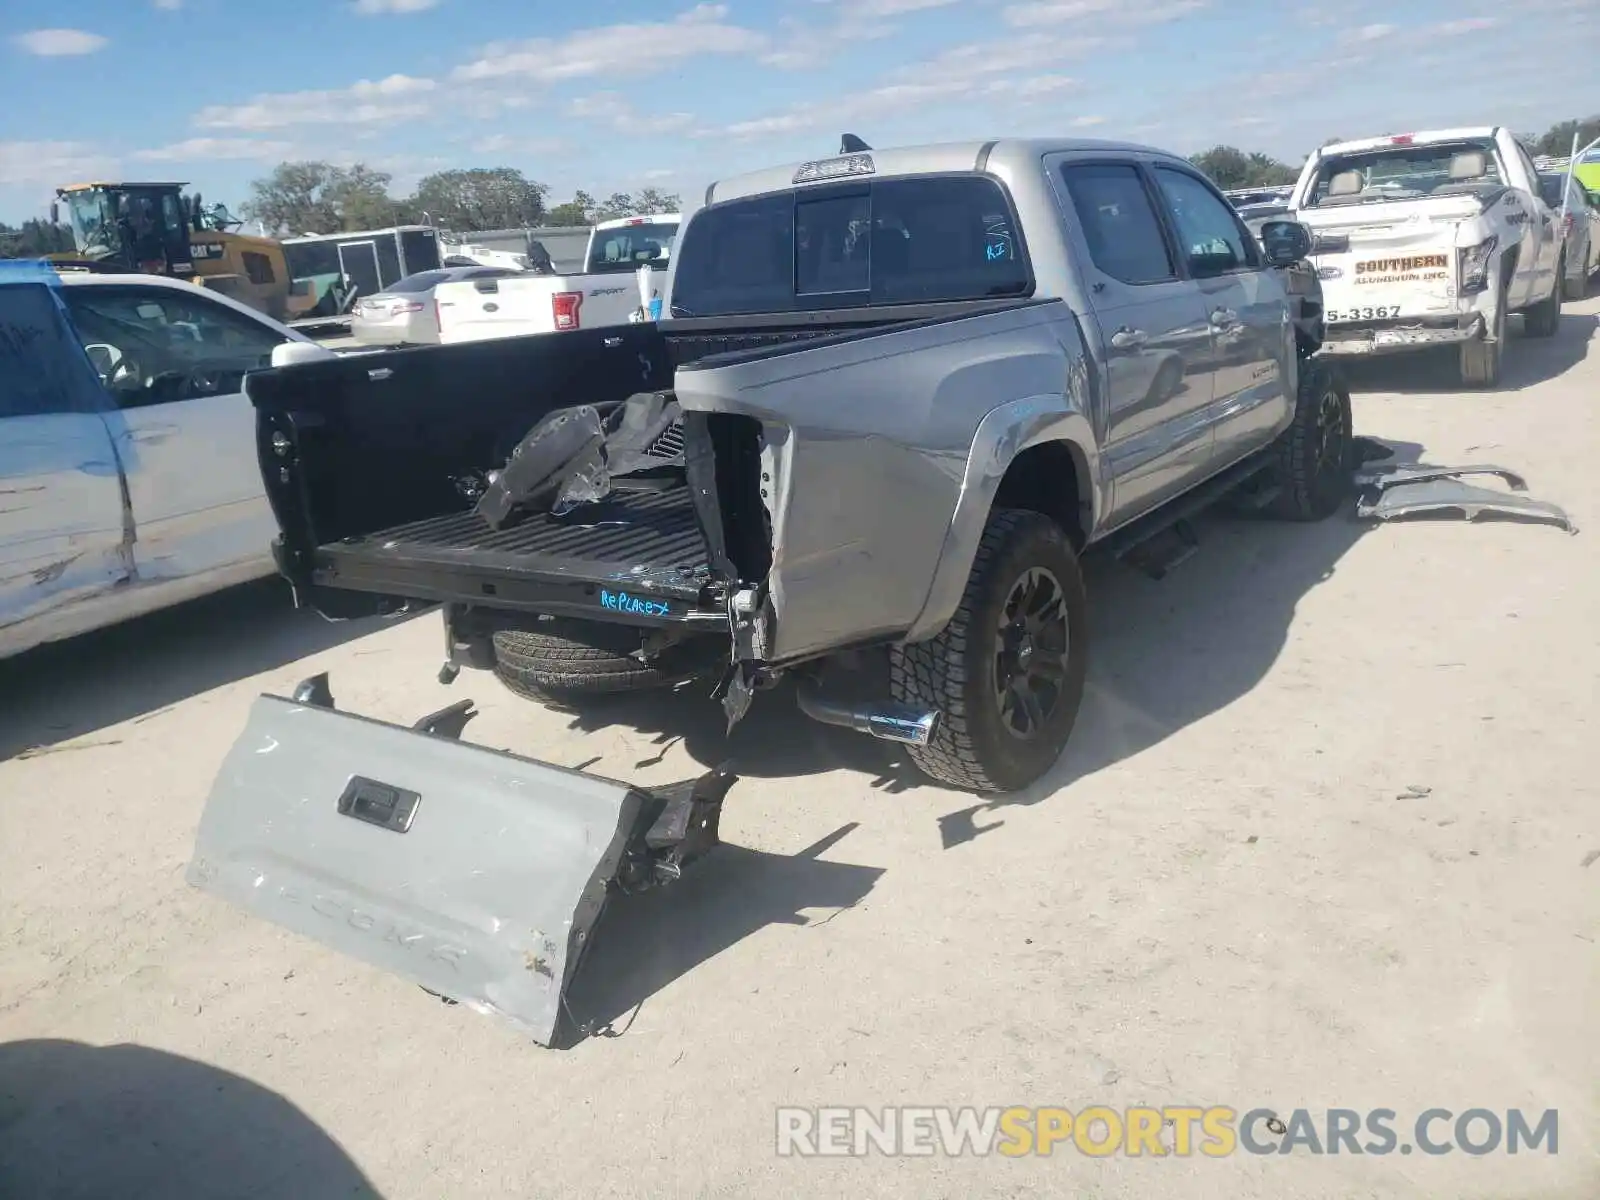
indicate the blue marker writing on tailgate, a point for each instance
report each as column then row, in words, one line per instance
column 622, row 602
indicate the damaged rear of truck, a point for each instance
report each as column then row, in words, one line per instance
column 897, row 450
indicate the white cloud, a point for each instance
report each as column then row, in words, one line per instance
column 609, row 108
column 370, row 8
column 800, row 44
column 1087, row 122
column 168, row 5
column 502, row 143
column 1465, row 25
column 366, row 102
column 203, row 149
column 56, row 43
column 51, row 164
column 1125, row 12
column 1368, row 33
column 627, row 49
column 1017, row 71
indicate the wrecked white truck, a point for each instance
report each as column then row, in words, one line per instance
column 898, row 393
column 1432, row 239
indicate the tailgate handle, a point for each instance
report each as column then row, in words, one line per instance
column 485, row 285
column 380, row 804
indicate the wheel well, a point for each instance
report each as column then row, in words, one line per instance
column 1050, row 479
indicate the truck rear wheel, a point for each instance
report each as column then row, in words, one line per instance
column 1311, row 466
column 1006, row 674
column 1544, row 318
column 565, row 659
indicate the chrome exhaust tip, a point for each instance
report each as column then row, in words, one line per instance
column 889, row 721
column 900, row 723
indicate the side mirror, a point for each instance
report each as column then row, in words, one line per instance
column 287, row 354
column 1285, row 242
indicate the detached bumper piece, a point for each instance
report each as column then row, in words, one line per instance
column 1405, row 489
column 477, row 874
column 1381, row 339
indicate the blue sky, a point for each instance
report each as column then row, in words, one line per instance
column 611, row 96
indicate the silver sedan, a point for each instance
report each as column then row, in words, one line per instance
column 403, row 313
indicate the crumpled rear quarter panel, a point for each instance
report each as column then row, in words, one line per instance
column 866, row 442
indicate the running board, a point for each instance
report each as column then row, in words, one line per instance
column 1121, row 542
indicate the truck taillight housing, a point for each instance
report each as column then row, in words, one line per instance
column 564, row 307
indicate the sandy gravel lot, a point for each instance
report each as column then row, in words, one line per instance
column 1324, row 838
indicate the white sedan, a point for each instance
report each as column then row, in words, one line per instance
column 127, row 448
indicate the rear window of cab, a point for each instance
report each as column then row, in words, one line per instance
column 849, row 245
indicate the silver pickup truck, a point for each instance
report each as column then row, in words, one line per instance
column 898, row 394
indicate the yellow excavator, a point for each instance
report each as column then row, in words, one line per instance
column 153, row 228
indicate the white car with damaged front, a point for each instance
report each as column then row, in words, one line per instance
column 1431, row 239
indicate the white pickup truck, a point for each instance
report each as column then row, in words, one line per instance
column 1431, row 239
column 607, row 293
column 128, row 465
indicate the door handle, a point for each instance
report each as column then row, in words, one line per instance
column 1129, row 339
column 1223, row 318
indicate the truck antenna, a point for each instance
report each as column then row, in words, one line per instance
column 851, row 144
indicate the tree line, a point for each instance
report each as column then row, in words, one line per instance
column 319, row 197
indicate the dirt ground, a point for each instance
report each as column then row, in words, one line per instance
column 1325, row 837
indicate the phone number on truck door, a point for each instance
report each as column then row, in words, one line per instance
column 1382, row 312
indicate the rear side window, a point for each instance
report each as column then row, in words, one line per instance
column 897, row 241
column 43, row 368
column 1550, row 189
column 1119, row 222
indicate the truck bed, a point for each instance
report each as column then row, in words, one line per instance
column 364, row 460
column 640, row 554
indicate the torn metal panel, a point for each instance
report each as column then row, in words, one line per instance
column 1436, row 494
column 561, row 445
column 1399, row 473
column 864, row 445
column 475, row 873
column 637, row 440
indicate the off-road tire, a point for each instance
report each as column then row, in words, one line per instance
column 1574, row 289
column 972, row 750
column 1544, row 318
column 1481, row 358
column 1311, row 459
column 568, row 659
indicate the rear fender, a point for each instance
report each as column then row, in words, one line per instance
column 1005, row 433
column 855, row 452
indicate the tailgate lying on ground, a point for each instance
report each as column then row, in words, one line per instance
column 475, row 873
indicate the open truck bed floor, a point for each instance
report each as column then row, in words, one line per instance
column 637, row 554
